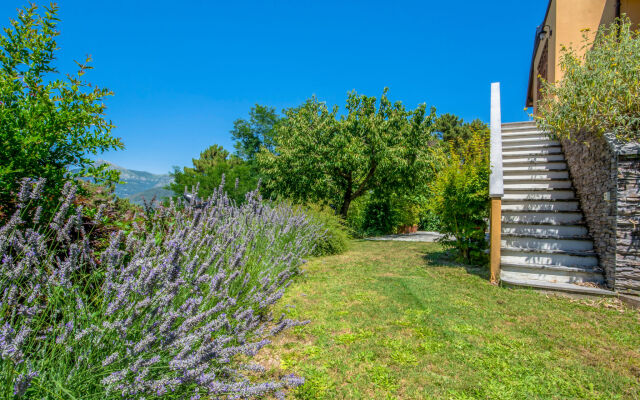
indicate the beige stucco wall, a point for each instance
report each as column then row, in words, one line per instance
column 573, row 18
column 568, row 20
column 632, row 9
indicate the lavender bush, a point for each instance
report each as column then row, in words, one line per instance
column 173, row 310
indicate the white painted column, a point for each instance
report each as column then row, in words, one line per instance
column 496, row 184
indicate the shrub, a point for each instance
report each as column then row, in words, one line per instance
column 50, row 126
column 599, row 90
column 165, row 312
column 335, row 239
column 460, row 197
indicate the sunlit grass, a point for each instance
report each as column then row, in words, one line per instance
column 395, row 320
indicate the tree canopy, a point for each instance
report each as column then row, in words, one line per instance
column 208, row 171
column 322, row 156
column 49, row 126
column 256, row 132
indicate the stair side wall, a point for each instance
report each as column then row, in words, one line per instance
column 593, row 171
column 628, row 234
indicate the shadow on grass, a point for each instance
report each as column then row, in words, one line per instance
column 445, row 257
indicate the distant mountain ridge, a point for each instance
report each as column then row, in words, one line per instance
column 139, row 185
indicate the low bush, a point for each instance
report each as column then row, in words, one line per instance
column 335, row 239
column 460, row 198
column 171, row 310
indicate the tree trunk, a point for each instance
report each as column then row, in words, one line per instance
column 346, row 201
column 345, row 207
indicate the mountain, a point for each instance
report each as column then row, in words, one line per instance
column 140, row 184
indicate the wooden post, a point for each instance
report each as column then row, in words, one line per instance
column 495, row 238
column 496, row 184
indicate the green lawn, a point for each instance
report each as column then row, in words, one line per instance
column 394, row 320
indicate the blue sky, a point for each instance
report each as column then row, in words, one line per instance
column 183, row 71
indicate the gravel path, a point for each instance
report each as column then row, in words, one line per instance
column 420, row 236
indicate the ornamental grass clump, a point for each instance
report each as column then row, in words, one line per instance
column 174, row 309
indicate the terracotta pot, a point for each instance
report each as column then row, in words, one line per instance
column 408, row 229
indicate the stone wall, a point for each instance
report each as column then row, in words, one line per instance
column 628, row 235
column 607, row 183
column 593, row 172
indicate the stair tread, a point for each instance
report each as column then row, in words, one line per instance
column 580, row 223
column 533, row 180
column 536, row 189
column 569, row 268
column 563, row 287
column 532, row 146
column 506, row 169
column 544, row 236
column 542, row 211
column 579, row 253
column 516, row 201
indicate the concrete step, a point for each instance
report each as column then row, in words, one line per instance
column 508, row 165
column 542, row 217
column 519, row 140
column 544, row 230
column 561, row 287
column 537, row 243
column 540, row 184
column 531, row 158
column 539, row 175
column 519, row 126
column 531, row 145
column 510, row 255
column 524, row 135
column 535, row 205
column 546, row 236
column 528, row 194
column 550, row 273
column 532, row 152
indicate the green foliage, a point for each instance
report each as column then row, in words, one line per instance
column 599, row 90
column 257, row 132
column 48, row 125
column 208, row 170
column 460, row 197
column 335, row 239
column 322, row 157
column 453, row 128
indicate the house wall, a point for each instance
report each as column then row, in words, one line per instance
column 568, row 20
column 632, row 9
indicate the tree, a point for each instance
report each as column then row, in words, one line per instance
column 450, row 127
column 208, row 170
column 49, row 126
column 253, row 134
column 459, row 195
column 322, row 157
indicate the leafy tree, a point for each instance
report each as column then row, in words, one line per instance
column 49, row 126
column 600, row 87
column 450, row 127
column 253, row 134
column 460, row 196
column 322, row 157
column 208, row 170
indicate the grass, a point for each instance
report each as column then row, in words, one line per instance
column 394, row 320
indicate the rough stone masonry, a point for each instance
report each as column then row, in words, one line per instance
column 606, row 176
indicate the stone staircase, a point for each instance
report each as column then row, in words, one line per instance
column 545, row 242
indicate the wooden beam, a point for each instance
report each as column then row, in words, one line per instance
column 495, row 238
